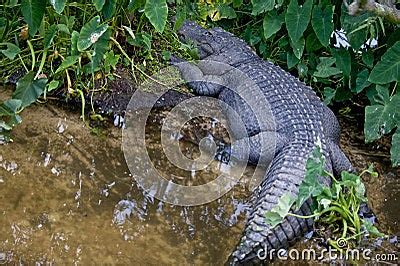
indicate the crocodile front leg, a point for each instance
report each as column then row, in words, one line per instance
column 199, row 78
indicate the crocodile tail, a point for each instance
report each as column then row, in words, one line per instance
column 284, row 176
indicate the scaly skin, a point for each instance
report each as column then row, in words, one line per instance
column 301, row 120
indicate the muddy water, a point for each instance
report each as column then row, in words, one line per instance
column 66, row 195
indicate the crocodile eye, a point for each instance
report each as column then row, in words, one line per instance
column 208, row 33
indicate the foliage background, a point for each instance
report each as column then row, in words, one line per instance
column 68, row 45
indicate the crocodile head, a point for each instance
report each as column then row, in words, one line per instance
column 208, row 41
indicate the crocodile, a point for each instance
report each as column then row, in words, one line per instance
column 302, row 122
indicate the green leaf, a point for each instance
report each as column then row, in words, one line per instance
column 157, row 11
column 381, row 118
column 3, row 126
column 272, row 23
column 343, row 60
column 322, row 23
column 350, row 24
column 28, row 90
column 90, row 33
column 226, row 11
column 261, row 6
column 395, row 149
column 181, row 14
column 142, row 39
column 166, row 55
column 50, row 34
column 302, row 69
column 298, row 47
column 33, row 12
column 311, row 186
column 291, row 59
column 52, row 85
column 63, row 28
column 325, row 69
column 100, row 47
column 388, row 69
column 368, row 58
column 68, row 62
column 110, row 61
column 58, row 5
column 11, row 51
column 297, row 18
column 74, row 43
column 312, row 43
column 136, row 4
column 362, row 81
column 276, row 215
column 329, row 94
column 237, row 3
column 10, row 107
column 372, row 229
column 98, row 4
column 109, row 8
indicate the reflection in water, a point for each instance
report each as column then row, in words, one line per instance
column 67, row 196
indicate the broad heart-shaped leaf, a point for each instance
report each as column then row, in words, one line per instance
column 261, row 6
column 381, row 119
column 298, row 47
column 11, row 51
column 362, row 81
column 395, row 149
column 325, row 69
column 272, row 23
column 10, row 107
column 388, row 69
column 33, row 11
column 68, row 62
column 58, row 5
column 90, row 33
column 343, row 60
column 276, row 215
column 98, row 4
column 291, row 60
column 156, row 11
column 322, row 23
column 226, row 11
column 50, row 34
column 297, row 18
column 109, row 8
column 99, row 50
column 351, row 24
column 28, row 89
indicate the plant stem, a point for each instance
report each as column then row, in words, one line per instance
column 32, row 54
column 44, row 56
